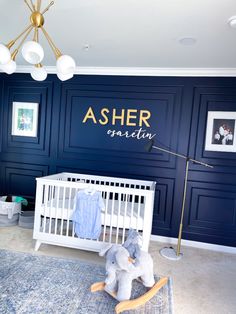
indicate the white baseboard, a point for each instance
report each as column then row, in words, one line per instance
column 199, row 245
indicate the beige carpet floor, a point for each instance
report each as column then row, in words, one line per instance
column 204, row 282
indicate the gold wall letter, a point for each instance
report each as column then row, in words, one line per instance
column 144, row 116
column 115, row 117
column 90, row 115
column 105, row 121
column 129, row 116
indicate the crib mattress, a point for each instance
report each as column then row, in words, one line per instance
column 116, row 213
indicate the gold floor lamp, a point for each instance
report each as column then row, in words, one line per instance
column 169, row 252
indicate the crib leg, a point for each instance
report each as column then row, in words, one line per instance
column 37, row 245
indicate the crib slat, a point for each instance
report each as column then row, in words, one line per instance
column 145, row 213
column 118, row 216
column 105, row 216
column 73, row 224
column 138, row 212
column 45, row 202
column 63, row 209
column 50, row 208
column 68, row 212
column 57, row 189
column 73, row 229
column 111, row 216
column 132, row 211
column 124, row 217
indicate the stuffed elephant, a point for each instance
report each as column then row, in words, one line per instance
column 133, row 243
column 121, row 270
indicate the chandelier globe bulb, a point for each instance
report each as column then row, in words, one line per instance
column 32, row 52
column 38, row 73
column 64, row 77
column 66, row 64
column 9, row 68
column 5, row 55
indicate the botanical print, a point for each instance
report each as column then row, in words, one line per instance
column 24, row 119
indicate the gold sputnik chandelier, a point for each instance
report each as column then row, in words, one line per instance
column 32, row 51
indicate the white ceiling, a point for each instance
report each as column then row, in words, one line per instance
column 132, row 33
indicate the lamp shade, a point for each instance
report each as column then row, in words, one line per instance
column 65, row 65
column 64, row 77
column 39, row 73
column 32, row 52
column 9, row 68
column 5, row 55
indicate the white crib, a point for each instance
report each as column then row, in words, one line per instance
column 127, row 204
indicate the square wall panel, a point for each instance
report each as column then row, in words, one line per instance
column 105, row 125
column 20, row 179
column 30, row 92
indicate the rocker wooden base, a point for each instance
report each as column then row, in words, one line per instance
column 131, row 304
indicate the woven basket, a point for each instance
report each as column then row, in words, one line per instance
column 5, row 222
column 26, row 219
column 9, row 208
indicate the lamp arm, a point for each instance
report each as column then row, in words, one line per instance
column 200, row 163
column 170, row 152
column 182, row 156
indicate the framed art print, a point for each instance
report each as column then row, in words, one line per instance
column 221, row 131
column 24, row 119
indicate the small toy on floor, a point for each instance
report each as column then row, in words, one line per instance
column 124, row 263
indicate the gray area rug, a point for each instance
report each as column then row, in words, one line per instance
column 39, row 284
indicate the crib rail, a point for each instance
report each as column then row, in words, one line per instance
column 127, row 204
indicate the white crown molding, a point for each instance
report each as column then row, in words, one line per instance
column 199, row 245
column 207, row 72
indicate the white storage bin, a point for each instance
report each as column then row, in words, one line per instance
column 26, row 219
column 9, row 208
column 5, row 222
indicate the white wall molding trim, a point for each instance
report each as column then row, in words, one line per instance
column 143, row 71
column 199, row 245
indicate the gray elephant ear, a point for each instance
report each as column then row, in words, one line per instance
column 122, row 259
column 104, row 249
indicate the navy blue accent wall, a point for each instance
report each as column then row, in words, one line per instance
column 178, row 109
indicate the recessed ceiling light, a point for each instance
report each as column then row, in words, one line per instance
column 232, row 21
column 187, row 41
column 86, row 47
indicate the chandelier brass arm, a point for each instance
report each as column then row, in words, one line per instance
column 13, row 56
column 12, row 42
column 55, row 50
column 36, row 35
column 32, row 5
column 38, row 5
column 48, row 7
column 32, row 51
column 26, row 2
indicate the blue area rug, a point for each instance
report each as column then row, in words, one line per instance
column 39, row 284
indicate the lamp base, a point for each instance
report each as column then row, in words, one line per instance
column 169, row 253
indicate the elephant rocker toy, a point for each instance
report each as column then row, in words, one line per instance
column 124, row 263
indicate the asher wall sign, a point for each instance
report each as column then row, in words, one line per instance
column 137, row 122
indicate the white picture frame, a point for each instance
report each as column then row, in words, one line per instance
column 25, row 119
column 221, row 131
